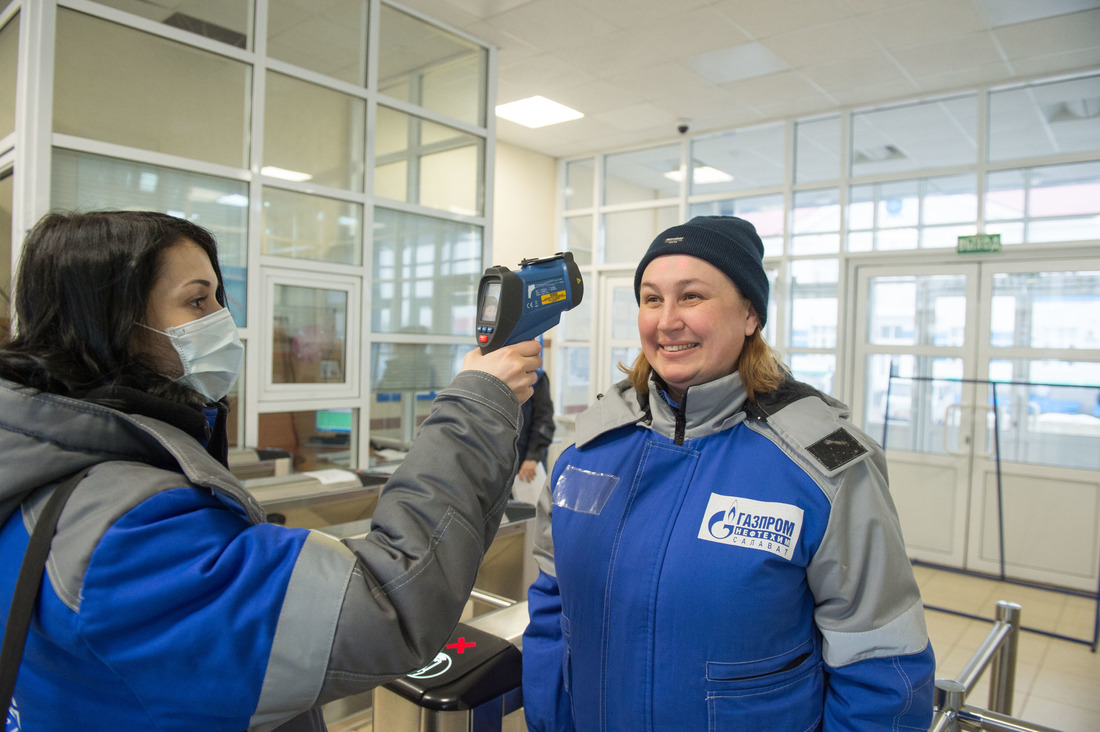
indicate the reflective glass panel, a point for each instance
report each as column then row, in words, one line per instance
column 813, row 311
column 226, row 21
column 301, row 226
column 329, row 38
column 817, row 150
column 428, row 66
column 924, row 310
column 929, row 134
column 572, row 395
column 734, row 161
column 418, row 161
column 642, row 175
column 317, row 440
column 628, row 234
column 580, row 177
column 294, row 112
column 99, row 67
column 9, row 49
column 923, row 212
column 816, row 369
column 921, row 400
column 1045, row 119
column 815, row 222
column 84, row 181
column 1046, row 310
column 578, row 238
column 405, row 378
column 426, row 272
column 621, row 357
column 576, row 324
column 624, row 314
column 765, row 213
column 1048, row 413
column 1050, row 203
column 310, row 335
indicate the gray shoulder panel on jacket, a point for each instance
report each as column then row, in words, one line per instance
column 816, row 434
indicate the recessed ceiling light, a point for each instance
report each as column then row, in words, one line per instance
column 700, row 174
column 537, row 111
column 284, row 174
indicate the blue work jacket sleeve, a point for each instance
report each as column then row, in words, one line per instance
column 891, row 693
column 545, row 661
column 868, row 607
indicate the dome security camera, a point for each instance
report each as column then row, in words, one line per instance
column 683, row 128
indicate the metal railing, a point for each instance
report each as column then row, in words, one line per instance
column 998, row 655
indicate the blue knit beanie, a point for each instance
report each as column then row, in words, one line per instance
column 727, row 242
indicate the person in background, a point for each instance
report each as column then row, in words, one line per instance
column 535, row 435
column 718, row 549
column 168, row 602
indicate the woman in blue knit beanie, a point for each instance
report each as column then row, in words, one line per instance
column 718, row 548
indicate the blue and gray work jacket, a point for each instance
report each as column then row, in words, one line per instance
column 170, row 604
column 722, row 564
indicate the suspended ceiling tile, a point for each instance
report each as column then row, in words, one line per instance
column 976, row 49
column 764, row 20
column 1050, row 35
column 822, row 44
column 551, row 24
column 776, row 94
column 1009, row 12
column 917, row 22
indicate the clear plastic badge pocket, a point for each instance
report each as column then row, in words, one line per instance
column 584, row 491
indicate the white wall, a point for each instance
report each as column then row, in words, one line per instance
column 523, row 213
column 523, row 206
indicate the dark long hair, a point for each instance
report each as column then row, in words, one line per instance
column 83, row 284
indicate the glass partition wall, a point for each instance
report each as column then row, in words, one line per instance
column 900, row 182
column 341, row 154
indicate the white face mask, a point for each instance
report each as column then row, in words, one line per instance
column 211, row 352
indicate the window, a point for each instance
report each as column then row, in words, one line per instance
column 913, row 137
column 426, row 272
column 1045, row 119
column 85, row 181
column 425, row 65
column 739, row 160
column 1044, row 204
column 100, row 65
column 294, row 112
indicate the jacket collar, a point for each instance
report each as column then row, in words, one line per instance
column 45, row 437
column 707, row 408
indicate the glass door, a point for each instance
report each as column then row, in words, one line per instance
column 931, row 341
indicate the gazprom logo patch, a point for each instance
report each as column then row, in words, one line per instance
column 769, row 527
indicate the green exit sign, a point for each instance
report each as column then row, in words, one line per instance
column 979, row 243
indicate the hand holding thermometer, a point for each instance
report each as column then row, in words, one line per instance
column 517, row 306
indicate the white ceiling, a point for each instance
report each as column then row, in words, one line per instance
column 637, row 68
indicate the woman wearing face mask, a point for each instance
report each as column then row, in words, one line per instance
column 723, row 552
column 167, row 602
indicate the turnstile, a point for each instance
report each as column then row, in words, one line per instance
column 472, row 685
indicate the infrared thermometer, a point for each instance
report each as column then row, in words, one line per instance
column 514, row 306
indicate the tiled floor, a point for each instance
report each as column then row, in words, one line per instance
column 1057, row 681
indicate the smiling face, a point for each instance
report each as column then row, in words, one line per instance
column 692, row 321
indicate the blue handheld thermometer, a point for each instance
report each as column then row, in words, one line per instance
column 517, row 306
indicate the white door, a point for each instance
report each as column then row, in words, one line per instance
column 929, row 341
column 619, row 330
